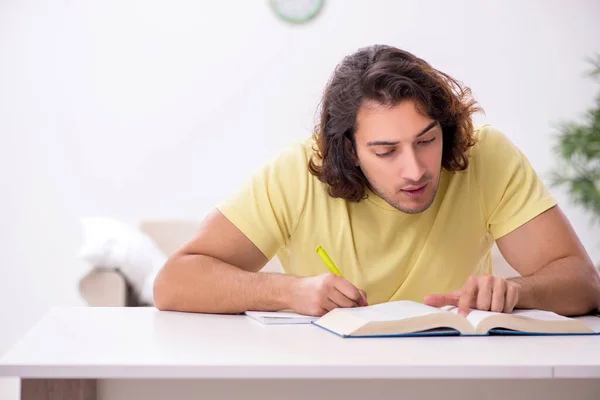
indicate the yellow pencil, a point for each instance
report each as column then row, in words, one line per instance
column 327, row 261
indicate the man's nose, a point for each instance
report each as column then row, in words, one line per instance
column 412, row 168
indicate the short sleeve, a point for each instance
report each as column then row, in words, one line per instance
column 268, row 206
column 511, row 191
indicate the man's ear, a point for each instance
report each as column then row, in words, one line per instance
column 351, row 149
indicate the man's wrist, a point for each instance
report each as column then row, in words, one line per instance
column 283, row 289
column 524, row 292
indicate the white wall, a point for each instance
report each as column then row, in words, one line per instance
column 135, row 109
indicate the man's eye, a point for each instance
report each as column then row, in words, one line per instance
column 387, row 153
column 427, row 141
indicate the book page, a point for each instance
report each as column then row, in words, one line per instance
column 540, row 315
column 475, row 316
column 393, row 310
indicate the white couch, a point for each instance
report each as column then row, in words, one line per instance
column 102, row 287
column 108, row 287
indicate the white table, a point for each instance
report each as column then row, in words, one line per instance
column 120, row 353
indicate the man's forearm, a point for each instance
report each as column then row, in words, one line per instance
column 562, row 286
column 196, row 283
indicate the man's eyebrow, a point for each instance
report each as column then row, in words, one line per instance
column 427, row 128
column 391, row 143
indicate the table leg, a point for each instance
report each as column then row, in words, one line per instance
column 55, row 389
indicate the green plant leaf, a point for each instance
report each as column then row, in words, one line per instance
column 577, row 147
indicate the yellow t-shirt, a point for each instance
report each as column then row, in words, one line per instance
column 286, row 211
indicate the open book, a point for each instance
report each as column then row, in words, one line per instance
column 408, row 318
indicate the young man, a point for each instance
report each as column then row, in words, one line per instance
column 405, row 196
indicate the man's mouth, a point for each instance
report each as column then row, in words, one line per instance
column 414, row 191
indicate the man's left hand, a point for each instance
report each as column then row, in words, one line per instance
column 488, row 293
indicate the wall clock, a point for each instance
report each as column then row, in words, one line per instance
column 296, row 11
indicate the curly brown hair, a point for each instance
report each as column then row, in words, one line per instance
column 386, row 75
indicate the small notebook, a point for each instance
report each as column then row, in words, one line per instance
column 280, row 317
column 408, row 318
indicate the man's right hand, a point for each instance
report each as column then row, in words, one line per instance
column 317, row 295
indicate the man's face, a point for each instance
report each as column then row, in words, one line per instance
column 400, row 152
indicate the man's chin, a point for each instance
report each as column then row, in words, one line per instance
column 411, row 209
column 411, row 206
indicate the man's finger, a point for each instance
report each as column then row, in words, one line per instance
column 499, row 295
column 363, row 301
column 340, row 300
column 347, row 289
column 467, row 297
column 484, row 293
column 328, row 305
column 441, row 300
column 512, row 297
